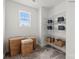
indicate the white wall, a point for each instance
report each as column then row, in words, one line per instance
column 55, row 12
column 70, row 32
column 43, row 15
column 68, row 8
column 38, row 26
column 12, row 27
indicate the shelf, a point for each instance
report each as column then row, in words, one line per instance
column 63, row 49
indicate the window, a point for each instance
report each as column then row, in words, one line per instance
column 25, row 18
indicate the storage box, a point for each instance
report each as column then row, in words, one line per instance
column 48, row 40
column 15, row 45
column 34, row 41
column 14, row 52
column 26, row 46
column 59, row 42
column 52, row 40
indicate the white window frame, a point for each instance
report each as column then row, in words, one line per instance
column 26, row 22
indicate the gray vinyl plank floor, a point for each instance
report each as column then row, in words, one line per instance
column 41, row 53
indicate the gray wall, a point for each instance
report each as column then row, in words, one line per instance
column 12, row 27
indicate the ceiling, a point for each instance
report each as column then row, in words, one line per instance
column 39, row 3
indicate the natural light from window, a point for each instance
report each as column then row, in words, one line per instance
column 25, row 18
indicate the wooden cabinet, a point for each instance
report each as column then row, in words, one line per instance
column 15, row 45
column 34, row 42
column 26, row 46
